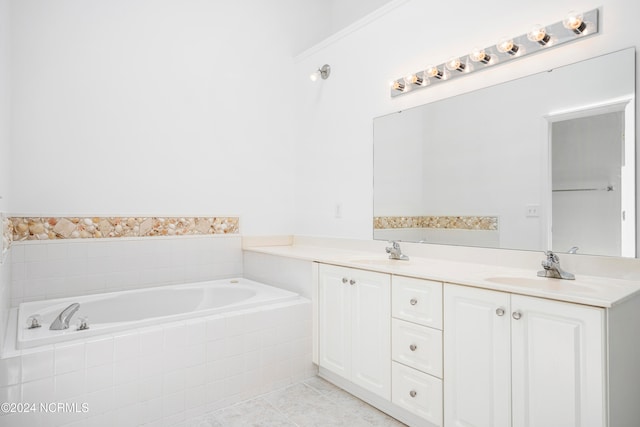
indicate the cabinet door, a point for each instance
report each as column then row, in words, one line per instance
column 371, row 331
column 334, row 320
column 477, row 389
column 558, row 364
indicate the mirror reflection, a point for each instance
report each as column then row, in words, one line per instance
column 542, row 162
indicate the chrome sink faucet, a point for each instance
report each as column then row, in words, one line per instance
column 552, row 268
column 63, row 319
column 395, row 252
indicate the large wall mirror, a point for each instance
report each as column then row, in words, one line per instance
column 542, row 162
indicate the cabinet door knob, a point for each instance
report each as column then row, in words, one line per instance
column 353, row 282
column 413, row 347
column 516, row 315
column 413, row 393
column 345, row 280
column 500, row 311
column 413, row 301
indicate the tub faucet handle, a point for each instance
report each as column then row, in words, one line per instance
column 34, row 321
column 83, row 323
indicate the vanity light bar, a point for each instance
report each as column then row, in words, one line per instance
column 575, row 26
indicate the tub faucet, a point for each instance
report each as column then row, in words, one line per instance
column 552, row 268
column 395, row 252
column 62, row 321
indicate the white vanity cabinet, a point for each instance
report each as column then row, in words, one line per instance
column 354, row 327
column 513, row 360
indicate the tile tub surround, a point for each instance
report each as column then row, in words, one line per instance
column 446, row 222
column 165, row 374
column 71, row 267
column 5, row 297
column 50, row 228
column 311, row 402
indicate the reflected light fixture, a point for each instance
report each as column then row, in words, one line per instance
column 539, row 34
column 573, row 27
column 322, row 72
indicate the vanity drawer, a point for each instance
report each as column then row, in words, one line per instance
column 417, row 300
column 417, row 346
column 417, row 392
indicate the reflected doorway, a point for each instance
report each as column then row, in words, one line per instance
column 592, row 189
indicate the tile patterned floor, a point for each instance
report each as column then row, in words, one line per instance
column 310, row 403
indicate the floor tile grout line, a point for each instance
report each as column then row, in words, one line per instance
column 278, row 411
column 337, row 403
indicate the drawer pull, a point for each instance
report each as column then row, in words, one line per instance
column 352, row 282
column 500, row 311
column 413, row 393
column 413, row 347
column 345, row 280
column 413, row 301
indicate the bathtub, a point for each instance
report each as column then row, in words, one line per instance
column 157, row 355
column 117, row 311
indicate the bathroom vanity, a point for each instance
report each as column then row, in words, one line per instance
column 436, row 342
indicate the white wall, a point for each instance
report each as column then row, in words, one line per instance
column 334, row 118
column 345, row 12
column 4, row 105
column 65, row 268
column 156, row 107
column 5, row 272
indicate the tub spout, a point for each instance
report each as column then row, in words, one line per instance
column 62, row 321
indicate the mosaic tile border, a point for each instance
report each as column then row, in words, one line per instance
column 54, row 228
column 489, row 223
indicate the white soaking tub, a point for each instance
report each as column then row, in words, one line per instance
column 117, row 311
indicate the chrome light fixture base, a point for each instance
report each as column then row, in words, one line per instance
column 574, row 27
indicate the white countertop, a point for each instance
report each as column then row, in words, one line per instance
column 590, row 290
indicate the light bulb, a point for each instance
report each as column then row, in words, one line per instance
column 539, row 34
column 434, row 72
column 479, row 55
column 507, row 46
column 398, row 85
column 574, row 22
column 455, row 64
column 323, row 72
column 414, row 79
